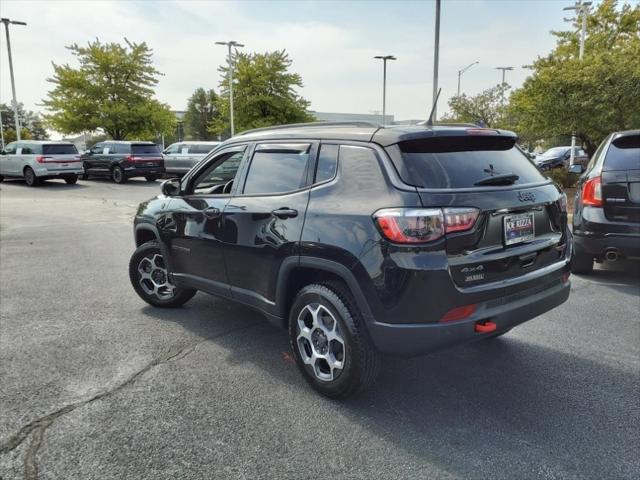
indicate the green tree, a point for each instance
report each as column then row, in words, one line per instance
column 31, row 127
column 202, row 108
column 112, row 90
column 485, row 109
column 593, row 96
column 264, row 93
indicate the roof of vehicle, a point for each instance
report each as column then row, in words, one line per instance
column 126, row 142
column 199, row 142
column 362, row 131
column 45, row 142
column 625, row 133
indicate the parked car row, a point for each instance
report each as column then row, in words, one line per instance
column 37, row 160
column 559, row 157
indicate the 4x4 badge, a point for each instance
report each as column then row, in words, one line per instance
column 526, row 196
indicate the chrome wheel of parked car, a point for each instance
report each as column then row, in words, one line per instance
column 320, row 342
column 154, row 279
column 151, row 280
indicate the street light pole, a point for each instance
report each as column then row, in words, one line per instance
column 504, row 69
column 436, row 53
column 460, row 72
column 581, row 8
column 230, row 44
column 6, row 22
column 384, row 59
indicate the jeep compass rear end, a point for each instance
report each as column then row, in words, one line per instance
column 361, row 240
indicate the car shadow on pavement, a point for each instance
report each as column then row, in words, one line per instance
column 622, row 276
column 499, row 408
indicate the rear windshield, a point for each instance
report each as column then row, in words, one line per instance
column 142, row 149
column 460, row 162
column 201, row 148
column 624, row 154
column 59, row 149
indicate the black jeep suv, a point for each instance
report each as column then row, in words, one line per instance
column 121, row 160
column 361, row 240
column 606, row 221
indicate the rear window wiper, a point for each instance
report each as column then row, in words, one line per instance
column 501, row 179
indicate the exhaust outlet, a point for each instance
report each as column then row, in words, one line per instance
column 611, row 255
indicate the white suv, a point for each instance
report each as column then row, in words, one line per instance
column 37, row 160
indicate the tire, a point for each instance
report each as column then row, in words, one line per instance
column 30, row 177
column 151, row 178
column 117, row 175
column 581, row 263
column 71, row 180
column 85, row 175
column 1, row 178
column 351, row 348
column 149, row 278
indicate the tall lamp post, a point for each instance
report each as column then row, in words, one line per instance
column 8, row 22
column 230, row 44
column 384, row 59
column 504, row 70
column 582, row 9
column 460, row 72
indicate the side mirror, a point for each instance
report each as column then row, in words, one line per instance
column 171, row 187
column 576, row 168
column 87, row 152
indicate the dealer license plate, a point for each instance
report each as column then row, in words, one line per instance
column 518, row 228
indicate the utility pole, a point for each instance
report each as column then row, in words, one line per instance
column 384, row 59
column 436, row 53
column 8, row 22
column 582, row 9
column 460, row 72
column 230, row 44
column 504, row 69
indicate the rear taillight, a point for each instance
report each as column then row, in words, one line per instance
column 592, row 192
column 459, row 219
column 421, row 225
column 459, row 313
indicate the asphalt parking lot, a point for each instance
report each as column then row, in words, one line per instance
column 94, row 384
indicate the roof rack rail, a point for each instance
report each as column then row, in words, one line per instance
column 312, row 124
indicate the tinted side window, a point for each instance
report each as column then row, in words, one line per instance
column 97, row 148
column 173, row 149
column 223, row 169
column 119, row 148
column 327, row 163
column 200, row 148
column 27, row 149
column 11, row 148
column 623, row 154
column 277, row 169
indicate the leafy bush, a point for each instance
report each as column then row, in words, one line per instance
column 562, row 177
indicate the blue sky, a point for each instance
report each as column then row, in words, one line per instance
column 331, row 44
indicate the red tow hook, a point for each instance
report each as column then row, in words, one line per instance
column 486, row 327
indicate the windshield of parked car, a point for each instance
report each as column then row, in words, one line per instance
column 141, row 149
column 463, row 162
column 555, row 152
column 59, row 149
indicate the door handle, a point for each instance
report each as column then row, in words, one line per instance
column 211, row 212
column 285, row 212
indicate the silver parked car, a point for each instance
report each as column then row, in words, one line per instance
column 38, row 160
column 180, row 157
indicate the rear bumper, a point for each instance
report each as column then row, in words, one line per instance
column 505, row 312
column 52, row 172
column 628, row 244
column 131, row 171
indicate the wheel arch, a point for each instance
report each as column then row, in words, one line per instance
column 296, row 272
